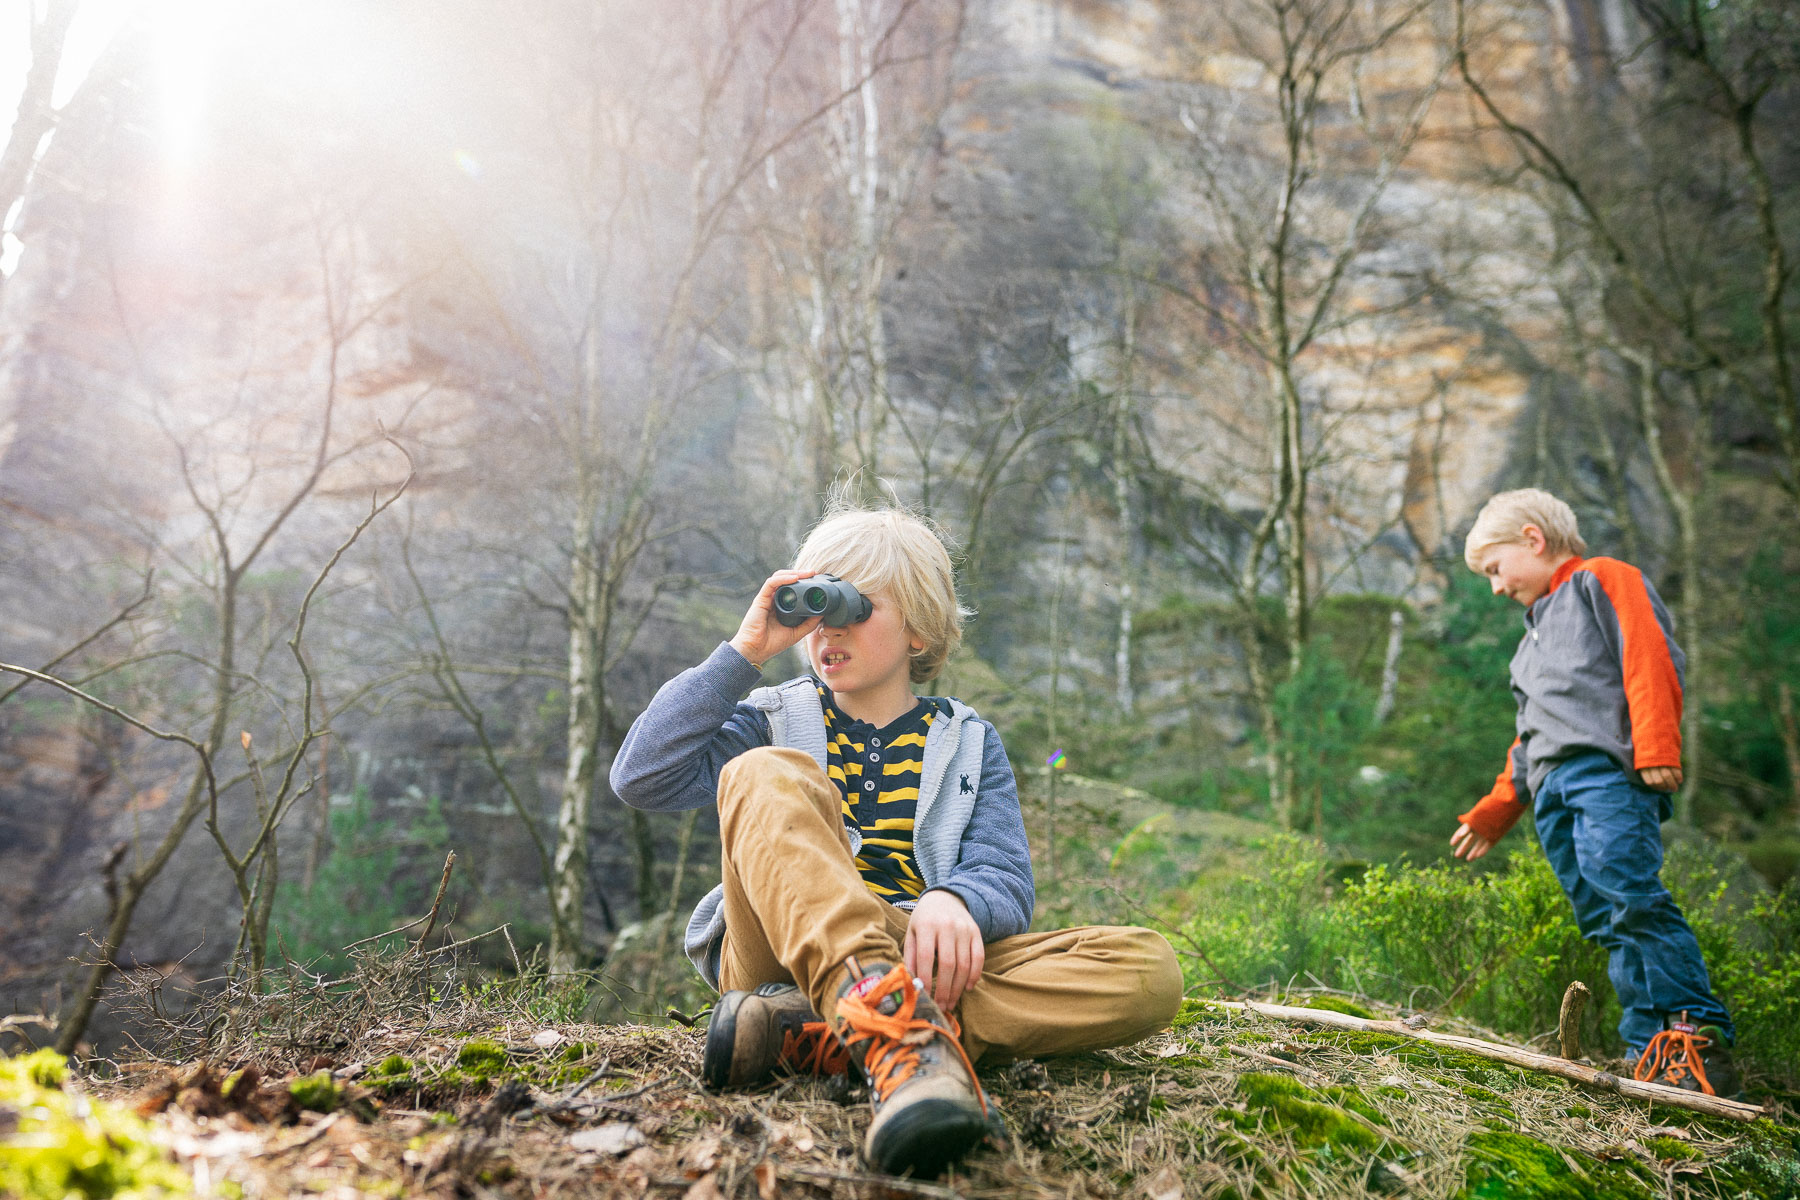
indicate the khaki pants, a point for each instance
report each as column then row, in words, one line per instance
column 795, row 909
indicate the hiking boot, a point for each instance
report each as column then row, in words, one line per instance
column 1692, row 1058
column 754, row 1036
column 929, row 1110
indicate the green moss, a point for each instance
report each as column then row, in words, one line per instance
column 1351, row 1100
column 575, row 1052
column 1578, row 1110
column 316, row 1092
column 1667, row 1147
column 1511, row 1166
column 1337, row 1004
column 1185, row 1062
column 481, row 1058
column 66, row 1147
column 1371, row 1043
column 1280, row 1103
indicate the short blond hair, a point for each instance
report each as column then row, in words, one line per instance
column 1502, row 521
column 901, row 556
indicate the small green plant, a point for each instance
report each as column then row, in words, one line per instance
column 317, row 1092
column 55, row 1145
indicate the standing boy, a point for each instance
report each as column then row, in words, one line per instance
column 1598, row 680
column 874, row 861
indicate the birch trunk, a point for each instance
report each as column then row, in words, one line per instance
column 574, row 810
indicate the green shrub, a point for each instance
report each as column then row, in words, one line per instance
column 1499, row 947
column 1270, row 924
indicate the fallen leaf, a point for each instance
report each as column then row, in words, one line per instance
column 615, row 1138
column 705, row 1188
column 1674, row 1131
column 1172, row 1050
column 546, row 1038
column 1164, row 1185
column 702, row 1154
column 766, row 1187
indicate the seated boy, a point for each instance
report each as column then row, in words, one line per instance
column 874, row 861
column 1598, row 680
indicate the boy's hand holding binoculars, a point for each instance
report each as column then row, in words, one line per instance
column 761, row 636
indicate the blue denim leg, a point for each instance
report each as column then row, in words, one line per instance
column 1602, row 835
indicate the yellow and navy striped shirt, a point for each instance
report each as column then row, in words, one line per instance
column 877, row 772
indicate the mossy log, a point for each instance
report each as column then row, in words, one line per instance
column 1605, row 1081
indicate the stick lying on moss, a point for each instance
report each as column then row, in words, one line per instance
column 1657, row 1093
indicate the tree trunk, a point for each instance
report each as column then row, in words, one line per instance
column 1683, row 504
column 569, row 862
column 1390, row 668
column 1123, row 481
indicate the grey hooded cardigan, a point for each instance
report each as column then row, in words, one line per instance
column 968, row 833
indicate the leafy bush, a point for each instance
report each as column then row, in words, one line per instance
column 1272, row 923
column 1498, row 947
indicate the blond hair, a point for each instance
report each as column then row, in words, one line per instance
column 900, row 556
column 1502, row 521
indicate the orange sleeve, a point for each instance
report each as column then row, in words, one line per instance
column 1500, row 809
column 1652, row 685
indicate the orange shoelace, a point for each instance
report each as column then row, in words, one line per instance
column 892, row 1055
column 1673, row 1055
column 813, row 1050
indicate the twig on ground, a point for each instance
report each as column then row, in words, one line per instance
column 436, row 902
column 1284, row 1064
column 1527, row 1059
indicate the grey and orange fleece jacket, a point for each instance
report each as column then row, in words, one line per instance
column 1597, row 669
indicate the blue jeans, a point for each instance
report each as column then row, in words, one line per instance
column 1601, row 833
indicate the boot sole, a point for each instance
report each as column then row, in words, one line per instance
column 926, row 1137
column 721, row 1038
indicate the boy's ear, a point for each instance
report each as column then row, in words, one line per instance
column 1534, row 537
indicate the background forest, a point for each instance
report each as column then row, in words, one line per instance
column 393, row 395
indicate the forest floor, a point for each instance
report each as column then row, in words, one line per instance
column 469, row 1103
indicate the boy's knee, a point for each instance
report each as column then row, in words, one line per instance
column 1163, row 985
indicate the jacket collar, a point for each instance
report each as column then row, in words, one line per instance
column 1564, row 573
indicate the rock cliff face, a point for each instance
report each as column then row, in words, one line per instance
column 198, row 312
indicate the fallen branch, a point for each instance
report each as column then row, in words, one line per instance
column 1284, row 1064
column 1604, row 1081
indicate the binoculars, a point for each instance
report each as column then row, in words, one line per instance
column 824, row 596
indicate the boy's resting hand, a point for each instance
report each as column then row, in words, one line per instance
column 1661, row 779
column 1469, row 844
column 760, row 636
column 943, row 947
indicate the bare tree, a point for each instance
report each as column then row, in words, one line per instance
column 1272, row 282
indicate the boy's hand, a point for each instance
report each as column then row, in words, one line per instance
column 1661, row 779
column 943, row 947
column 1469, row 844
column 760, row 636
